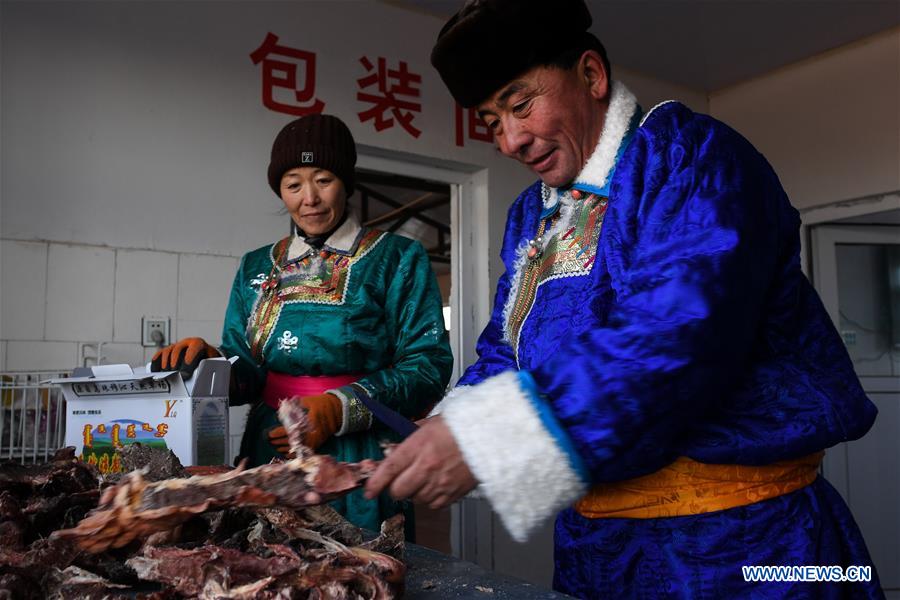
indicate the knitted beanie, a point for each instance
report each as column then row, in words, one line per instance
column 316, row 140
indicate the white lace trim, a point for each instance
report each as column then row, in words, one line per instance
column 647, row 114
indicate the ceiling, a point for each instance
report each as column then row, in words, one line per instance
column 708, row 45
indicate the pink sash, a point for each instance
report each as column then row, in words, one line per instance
column 280, row 386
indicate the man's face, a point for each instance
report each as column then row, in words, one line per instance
column 549, row 120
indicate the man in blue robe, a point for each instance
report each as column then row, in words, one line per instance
column 656, row 367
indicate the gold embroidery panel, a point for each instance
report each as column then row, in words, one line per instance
column 299, row 283
column 568, row 253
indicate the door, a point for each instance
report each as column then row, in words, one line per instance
column 856, row 270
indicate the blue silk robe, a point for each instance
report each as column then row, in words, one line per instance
column 665, row 315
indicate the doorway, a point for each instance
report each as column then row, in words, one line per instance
column 418, row 209
column 414, row 208
column 468, row 297
column 856, row 271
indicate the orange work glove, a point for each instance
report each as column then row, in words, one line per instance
column 184, row 355
column 325, row 415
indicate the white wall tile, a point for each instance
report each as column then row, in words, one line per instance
column 41, row 356
column 23, row 278
column 204, row 283
column 116, row 353
column 211, row 331
column 80, row 293
column 90, row 353
column 146, row 285
column 149, row 352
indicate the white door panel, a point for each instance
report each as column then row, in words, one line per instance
column 856, row 270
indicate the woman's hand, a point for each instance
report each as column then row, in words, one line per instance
column 184, row 355
column 325, row 415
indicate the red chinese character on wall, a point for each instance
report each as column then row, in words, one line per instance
column 282, row 73
column 390, row 85
column 471, row 124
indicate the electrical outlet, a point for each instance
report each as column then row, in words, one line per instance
column 155, row 331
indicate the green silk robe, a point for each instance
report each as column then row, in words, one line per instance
column 368, row 304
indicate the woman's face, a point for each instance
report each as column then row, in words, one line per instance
column 314, row 197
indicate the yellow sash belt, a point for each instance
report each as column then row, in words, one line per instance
column 688, row 487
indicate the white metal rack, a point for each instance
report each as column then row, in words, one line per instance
column 32, row 416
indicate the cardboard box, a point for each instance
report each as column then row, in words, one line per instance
column 116, row 405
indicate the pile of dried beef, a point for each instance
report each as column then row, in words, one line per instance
column 157, row 533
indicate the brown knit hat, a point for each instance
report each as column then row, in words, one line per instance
column 314, row 141
column 488, row 43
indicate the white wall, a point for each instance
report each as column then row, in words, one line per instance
column 135, row 144
column 830, row 125
column 150, row 114
column 60, row 299
column 651, row 92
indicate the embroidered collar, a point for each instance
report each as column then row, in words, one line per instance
column 622, row 118
column 343, row 241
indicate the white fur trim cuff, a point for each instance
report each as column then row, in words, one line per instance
column 439, row 407
column 524, row 471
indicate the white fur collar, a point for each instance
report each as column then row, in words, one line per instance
column 342, row 241
column 622, row 106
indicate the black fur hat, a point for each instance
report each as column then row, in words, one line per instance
column 488, row 43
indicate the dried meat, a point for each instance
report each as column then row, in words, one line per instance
column 237, row 534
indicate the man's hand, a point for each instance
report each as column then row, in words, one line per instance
column 428, row 467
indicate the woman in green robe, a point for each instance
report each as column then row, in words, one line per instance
column 335, row 316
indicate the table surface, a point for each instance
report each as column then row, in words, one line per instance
column 432, row 575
